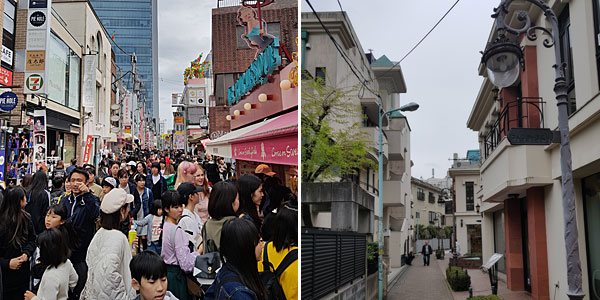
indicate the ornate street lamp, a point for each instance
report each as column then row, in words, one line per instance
column 502, row 59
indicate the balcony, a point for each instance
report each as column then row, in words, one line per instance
column 392, row 194
column 372, row 135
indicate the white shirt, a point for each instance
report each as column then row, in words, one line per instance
column 155, row 179
column 191, row 223
column 56, row 282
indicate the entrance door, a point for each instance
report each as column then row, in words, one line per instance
column 591, row 195
column 474, row 238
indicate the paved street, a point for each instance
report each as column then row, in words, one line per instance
column 421, row 282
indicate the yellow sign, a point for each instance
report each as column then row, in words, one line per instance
column 36, row 61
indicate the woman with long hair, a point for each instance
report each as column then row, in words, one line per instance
column 251, row 195
column 223, row 206
column 38, row 200
column 201, row 181
column 147, row 198
column 140, row 168
column 169, row 176
column 240, row 251
column 17, row 243
column 26, row 181
column 185, row 173
column 59, row 170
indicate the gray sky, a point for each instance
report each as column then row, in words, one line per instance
column 441, row 74
column 184, row 31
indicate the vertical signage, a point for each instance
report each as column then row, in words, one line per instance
column 38, row 34
column 179, row 138
column 127, row 109
column 88, row 148
column 39, row 137
column 89, row 81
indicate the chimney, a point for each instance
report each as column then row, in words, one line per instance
column 432, row 172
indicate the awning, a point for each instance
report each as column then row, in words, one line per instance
column 272, row 141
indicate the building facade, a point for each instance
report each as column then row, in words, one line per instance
column 427, row 208
column 521, row 185
column 465, row 181
column 133, row 25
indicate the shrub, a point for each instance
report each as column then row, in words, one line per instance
column 372, row 257
column 458, row 278
column 439, row 254
column 489, row 297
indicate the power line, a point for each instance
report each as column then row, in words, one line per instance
column 361, row 79
column 426, row 35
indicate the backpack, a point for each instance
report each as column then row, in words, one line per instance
column 270, row 275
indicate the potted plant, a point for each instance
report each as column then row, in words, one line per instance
column 372, row 257
column 439, row 254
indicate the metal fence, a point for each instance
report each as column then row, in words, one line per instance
column 331, row 259
column 444, row 244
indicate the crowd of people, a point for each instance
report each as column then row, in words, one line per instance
column 137, row 226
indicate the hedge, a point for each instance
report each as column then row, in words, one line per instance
column 458, row 279
column 490, row 297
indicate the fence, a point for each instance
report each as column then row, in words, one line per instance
column 444, row 244
column 228, row 3
column 331, row 259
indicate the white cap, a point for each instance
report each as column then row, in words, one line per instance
column 131, row 163
column 114, row 200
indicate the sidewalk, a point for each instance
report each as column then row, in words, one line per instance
column 420, row 282
column 480, row 282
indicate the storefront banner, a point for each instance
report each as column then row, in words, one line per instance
column 38, row 33
column 282, row 150
column 39, row 137
column 89, row 81
column 179, row 140
column 7, row 55
column 127, row 110
column 6, row 77
column 2, row 161
column 88, row 148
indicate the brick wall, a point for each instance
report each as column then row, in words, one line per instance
column 217, row 123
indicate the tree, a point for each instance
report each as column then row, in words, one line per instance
column 326, row 152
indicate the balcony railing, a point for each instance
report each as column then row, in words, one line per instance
column 331, row 259
column 228, row 3
column 526, row 112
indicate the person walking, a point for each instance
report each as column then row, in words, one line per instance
column 72, row 166
column 426, row 251
column 250, row 190
column 108, row 256
column 156, row 182
column 38, row 201
column 190, row 222
column 202, row 206
column 223, row 206
column 147, row 198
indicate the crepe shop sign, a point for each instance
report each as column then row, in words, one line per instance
column 283, row 150
column 264, row 65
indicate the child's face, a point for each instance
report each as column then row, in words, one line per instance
column 174, row 212
column 151, row 289
column 106, row 189
column 53, row 220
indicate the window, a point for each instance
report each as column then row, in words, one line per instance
column 417, row 215
column 64, row 82
column 420, row 194
column 9, row 16
column 432, row 217
column 431, row 197
column 470, row 196
column 566, row 53
column 443, row 220
column 320, row 74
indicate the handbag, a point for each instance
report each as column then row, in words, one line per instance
column 209, row 263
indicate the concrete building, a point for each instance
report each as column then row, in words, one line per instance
column 465, row 181
column 521, row 185
column 427, row 209
column 350, row 205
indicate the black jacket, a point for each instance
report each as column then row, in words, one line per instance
column 423, row 250
column 82, row 211
column 135, row 206
column 161, row 182
column 13, row 280
column 37, row 206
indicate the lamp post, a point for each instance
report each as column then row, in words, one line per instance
column 502, row 59
column 407, row 107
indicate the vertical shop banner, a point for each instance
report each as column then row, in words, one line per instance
column 87, row 150
column 89, row 81
column 39, row 137
column 127, row 110
column 38, row 35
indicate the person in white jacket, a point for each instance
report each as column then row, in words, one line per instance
column 60, row 276
column 108, row 256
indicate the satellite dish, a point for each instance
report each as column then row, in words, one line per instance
column 115, row 107
column 115, row 118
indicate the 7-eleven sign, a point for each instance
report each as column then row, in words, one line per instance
column 34, row 83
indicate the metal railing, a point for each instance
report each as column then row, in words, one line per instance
column 526, row 112
column 228, row 3
column 331, row 259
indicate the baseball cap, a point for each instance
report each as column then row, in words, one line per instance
column 109, row 181
column 264, row 169
column 114, row 200
column 131, row 163
column 187, row 188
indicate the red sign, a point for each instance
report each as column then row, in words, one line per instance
column 88, row 147
column 5, row 77
column 281, row 150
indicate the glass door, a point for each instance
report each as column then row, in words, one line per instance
column 591, row 197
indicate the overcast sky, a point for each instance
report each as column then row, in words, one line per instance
column 441, row 74
column 184, row 31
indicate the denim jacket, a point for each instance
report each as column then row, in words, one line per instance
column 234, row 290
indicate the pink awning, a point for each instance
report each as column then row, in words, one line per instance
column 283, row 125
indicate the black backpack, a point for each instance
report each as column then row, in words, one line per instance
column 270, row 275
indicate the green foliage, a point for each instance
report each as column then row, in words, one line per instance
column 489, row 297
column 439, row 254
column 448, row 231
column 327, row 152
column 458, row 278
column 372, row 251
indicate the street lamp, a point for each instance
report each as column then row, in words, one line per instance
column 500, row 59
column 407, row 107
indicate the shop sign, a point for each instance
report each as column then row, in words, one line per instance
column 8, row 101
column 283, row 150
column 5, row 77
column 7, row 55
column 38, row 3
column 204, row 122
column 264, row 65
column 89, row 81
column 88, row 147
column 39, row 141
column 37, row 18
column 127, row 106
column 36, row 39
column 530, row 136
column 34, row 83
column 36, row 61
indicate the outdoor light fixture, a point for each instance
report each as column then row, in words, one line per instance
column 502, row 59
column 461, row 223
column 409, row 107
column 285, row 85
column 247, row 106
column 263, row 97
column 236, row 113
column 477, row 207
column 228, row 117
